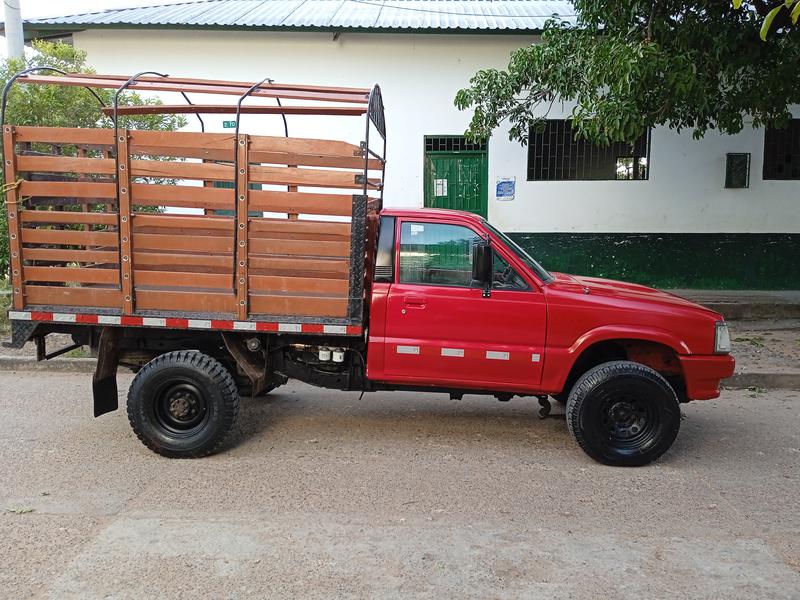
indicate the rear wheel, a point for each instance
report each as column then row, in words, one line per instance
column 623, row 413
column 183, row 404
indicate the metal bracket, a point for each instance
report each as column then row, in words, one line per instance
column 361, row 152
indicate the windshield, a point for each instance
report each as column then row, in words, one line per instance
column 524, row 256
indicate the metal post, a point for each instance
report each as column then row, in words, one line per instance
column 15, row 38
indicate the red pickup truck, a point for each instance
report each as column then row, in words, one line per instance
column 236, row 300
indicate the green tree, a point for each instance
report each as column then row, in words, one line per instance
column 62, row 106
column 633, row 64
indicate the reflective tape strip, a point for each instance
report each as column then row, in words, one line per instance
column 494, row 355
column 408, row 349
column 199, row 324
column 457, row 352
column 536, row 357
column 154, row 322
column 184, row 323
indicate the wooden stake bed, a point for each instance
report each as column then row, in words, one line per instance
column 95, row 225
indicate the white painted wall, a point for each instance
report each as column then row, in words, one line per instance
column 419, row 76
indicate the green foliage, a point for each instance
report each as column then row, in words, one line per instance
column 633, row 64
column 62, row 106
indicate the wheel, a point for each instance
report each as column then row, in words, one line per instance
column 183, row 404
column 624, row 414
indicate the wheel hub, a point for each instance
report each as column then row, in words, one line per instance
column 180, row 407
column 625, row 419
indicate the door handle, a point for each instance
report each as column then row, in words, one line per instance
column 417, row 301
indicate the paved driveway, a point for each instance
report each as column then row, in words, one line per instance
column 397, row 495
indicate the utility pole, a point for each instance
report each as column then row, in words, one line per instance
column 15, row 41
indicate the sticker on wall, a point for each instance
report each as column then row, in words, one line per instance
column 440, row 187
column 506, row 187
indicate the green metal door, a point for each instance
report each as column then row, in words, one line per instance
column 456, row 174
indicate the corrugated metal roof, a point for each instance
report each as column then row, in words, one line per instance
column 470, row 15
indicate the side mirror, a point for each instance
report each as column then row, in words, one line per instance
column 482, row 263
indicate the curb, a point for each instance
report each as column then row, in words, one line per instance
column 59, row 365
column 753, row 311
column 779, row 381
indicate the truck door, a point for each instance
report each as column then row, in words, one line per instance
column 440, row 330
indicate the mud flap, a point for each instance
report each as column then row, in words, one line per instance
column 104, row 382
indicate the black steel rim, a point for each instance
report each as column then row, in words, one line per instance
column 628, row 422
column 181, row 408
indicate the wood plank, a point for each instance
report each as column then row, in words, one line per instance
column 181, row 170
column 182, row 222
column 14, row 201
column 299, row 247
column 72, row 296
column 183, row 279
column 65, row 256
column 313, row 266
column 310, row 306
column 125, row 226
column 68, row 189
column 305, row 229
column 78, row 275
column 66, row 164
column 304, row 177
column 304, row 203
column 59, row 216
column 268, row 283
column 173, row 261
column 71, row 238
column 230, row 109
column 242, row 222
column 66, row 135
column 186, row 301
column 182, row 196
column 192, row 243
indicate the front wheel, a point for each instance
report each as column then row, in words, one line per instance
column 183, row 404
column 623, row 413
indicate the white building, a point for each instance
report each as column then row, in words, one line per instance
column 674, row 223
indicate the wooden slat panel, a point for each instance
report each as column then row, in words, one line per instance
column 181, row 170
column 229, row 109
column 299, row 247
column 63, row 274
column 183, row 279
column 306, row 229
column 266, row 283
column 186, row 301
column 68, row 189
column 293, row 145
column 76, row 238
column 304, row 177
column 312, row 306
column 182, row 222
column 80, row 256
column 298, row 265
column 66, row 135
column 66, row 164
column 51, row 216
column 183, row 196
column 73, row 296
column 14, row 201
column 167, row 261
column 301, row 203
column 193, row 243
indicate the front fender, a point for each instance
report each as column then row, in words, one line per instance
column 561, row 360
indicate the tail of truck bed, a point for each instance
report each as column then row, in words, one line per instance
column 280, row 233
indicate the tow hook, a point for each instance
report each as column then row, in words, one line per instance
column 545, row 409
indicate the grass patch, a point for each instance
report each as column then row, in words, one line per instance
column 20, row 510
column 755, row 391
column 756, row 341
column 5, row 304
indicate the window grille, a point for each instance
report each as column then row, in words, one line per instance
column 782, row 152
column 453, row 144
column 555, row 155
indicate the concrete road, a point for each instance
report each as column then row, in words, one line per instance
column 321, row 495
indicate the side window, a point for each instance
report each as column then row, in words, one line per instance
column 436, row 254
column 504, row 277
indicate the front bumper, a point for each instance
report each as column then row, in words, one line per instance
column 702, row 374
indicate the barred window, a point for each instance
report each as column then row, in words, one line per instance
column 555, row 155
column 782, row 152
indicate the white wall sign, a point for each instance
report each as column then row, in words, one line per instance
column 440, row 186
column 506, row 187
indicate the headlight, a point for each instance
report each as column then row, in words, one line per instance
column 722, row 338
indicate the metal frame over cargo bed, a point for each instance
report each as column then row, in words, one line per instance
column 91, row 242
